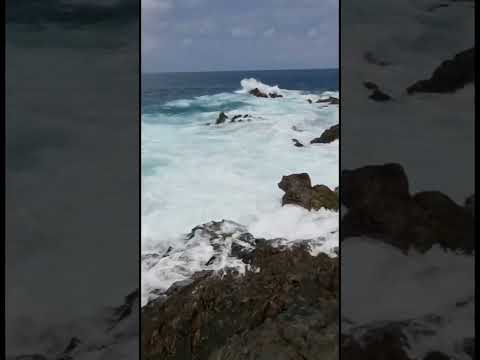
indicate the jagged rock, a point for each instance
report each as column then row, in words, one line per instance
column 221, row 118
column 330, row 100
column 256, row 92
column 235, row 118
column 328, row 136
column 297, row 143
column 125, row 309
column 275, row 95
column 378, row 95
column 324, row 197
column 298, row 191
column 375, row 344
column 450, row 75
column 289, row 308
column 380, row 205
column 372, row 59
column 370, row 85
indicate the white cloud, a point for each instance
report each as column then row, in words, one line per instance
column 158, row 5
column 313, row 32
column 242, row 32
column 269, row 32
column 187, row 42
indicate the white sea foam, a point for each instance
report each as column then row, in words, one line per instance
column 198, row 173
column 251, row 83
column 382, row 284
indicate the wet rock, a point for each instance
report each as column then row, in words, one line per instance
column 330, row 101
column 275, row 95
column 72, row 345
column 235, row 118
column 289, row 308
column 450, row 75
column 374, row 60
column 298, row 191
column 256, row 92
column 296, row 128
column 310, row 101
column 221, row 118
column 375, row 344
column 297, row 143
column 378, row 95
column 328, row 136
column 370, row 85
column 380, row 205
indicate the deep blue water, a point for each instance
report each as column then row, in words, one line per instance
column 160, row 88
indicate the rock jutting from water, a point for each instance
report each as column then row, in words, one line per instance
column 450, row 75
column 299, row 191
column 380, row 205
column 328, row 136
column 285, row 305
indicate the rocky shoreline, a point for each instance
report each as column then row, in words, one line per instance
column 276, row 300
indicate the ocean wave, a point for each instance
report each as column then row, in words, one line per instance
column 195, row 173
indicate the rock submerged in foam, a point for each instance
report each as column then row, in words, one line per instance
column 258, row 93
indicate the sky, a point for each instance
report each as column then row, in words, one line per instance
column 206, row 35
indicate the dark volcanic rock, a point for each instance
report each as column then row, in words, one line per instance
column 299, row 191
column 330, row 100
column 235, row 118
column 297, row 143
column 375, row 344
column 381, row 206
column 221, row 118
column 378, row 95
column 286, row 310
column 275, row 95
column 450, row 75
column 328, row 136
column 374, row 60
column 370, row 85
column 256, row 92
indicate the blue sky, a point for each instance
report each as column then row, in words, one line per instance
column 203, row 35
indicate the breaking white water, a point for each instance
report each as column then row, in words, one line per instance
column 193, row 173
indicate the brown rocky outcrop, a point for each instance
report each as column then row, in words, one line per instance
column 328, row 136
column 380, row 205
column 299, row 191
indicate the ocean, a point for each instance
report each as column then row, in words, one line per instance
column 194, row 171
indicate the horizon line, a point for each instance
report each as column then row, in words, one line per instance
column 246, row 70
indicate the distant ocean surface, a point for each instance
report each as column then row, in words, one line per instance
column 193, row 173
column 160, row 88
